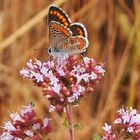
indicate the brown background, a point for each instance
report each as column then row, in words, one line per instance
column 114, row 35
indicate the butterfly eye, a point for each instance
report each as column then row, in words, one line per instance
column 49, row 50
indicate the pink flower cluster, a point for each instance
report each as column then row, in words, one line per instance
column 129, row 119
column 110, row 134
column 64, row 79
column 25, row 125
column 128, row 123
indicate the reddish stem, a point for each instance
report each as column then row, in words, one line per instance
column 69, row 117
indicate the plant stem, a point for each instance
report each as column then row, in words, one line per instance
column 69, row 117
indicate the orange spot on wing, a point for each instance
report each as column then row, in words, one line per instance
column 81, row 33
column 58, row 14
column 66, row 23
column 60, row 17
column 55, row 12
column 54, row 26
column 63, row 19
column 81, row 45
column 51, row 12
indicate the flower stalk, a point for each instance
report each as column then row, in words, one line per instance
column 69, row 113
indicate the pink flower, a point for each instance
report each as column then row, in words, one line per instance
column 127, row 124
column 107, row 128
column 64, row 79
column 109, row 133
column 100, row 69
column 36, row 126
column 129, row 119
column 29, row 133
column 8, row 136
column 45, row 122
column 8, row 126
column 15, row 117
column 25, row 125
column 52, row 108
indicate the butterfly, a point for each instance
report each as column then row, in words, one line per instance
column 65, row 38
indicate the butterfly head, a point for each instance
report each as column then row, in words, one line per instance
column 52, row 52
column 56, row 52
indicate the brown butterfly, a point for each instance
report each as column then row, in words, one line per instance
column 65, row 38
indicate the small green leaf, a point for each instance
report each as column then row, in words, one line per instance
column 65, row 123
column 77, row 125
column 96, row 137
column 77, row 102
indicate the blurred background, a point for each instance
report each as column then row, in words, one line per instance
column 114, row 39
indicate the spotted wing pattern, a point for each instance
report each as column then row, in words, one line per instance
column 78, row 29
column 59, row 15
column 74, row 44
column 58, row 33
column 65, row 38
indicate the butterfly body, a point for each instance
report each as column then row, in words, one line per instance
column 65, row 38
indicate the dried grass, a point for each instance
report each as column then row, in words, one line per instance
column 114, row 36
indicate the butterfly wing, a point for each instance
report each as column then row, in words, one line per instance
column 65, row 38
column 58, row 26
column 58, row 33
column 58, row 15
column 78, row 29
column 74, row 44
